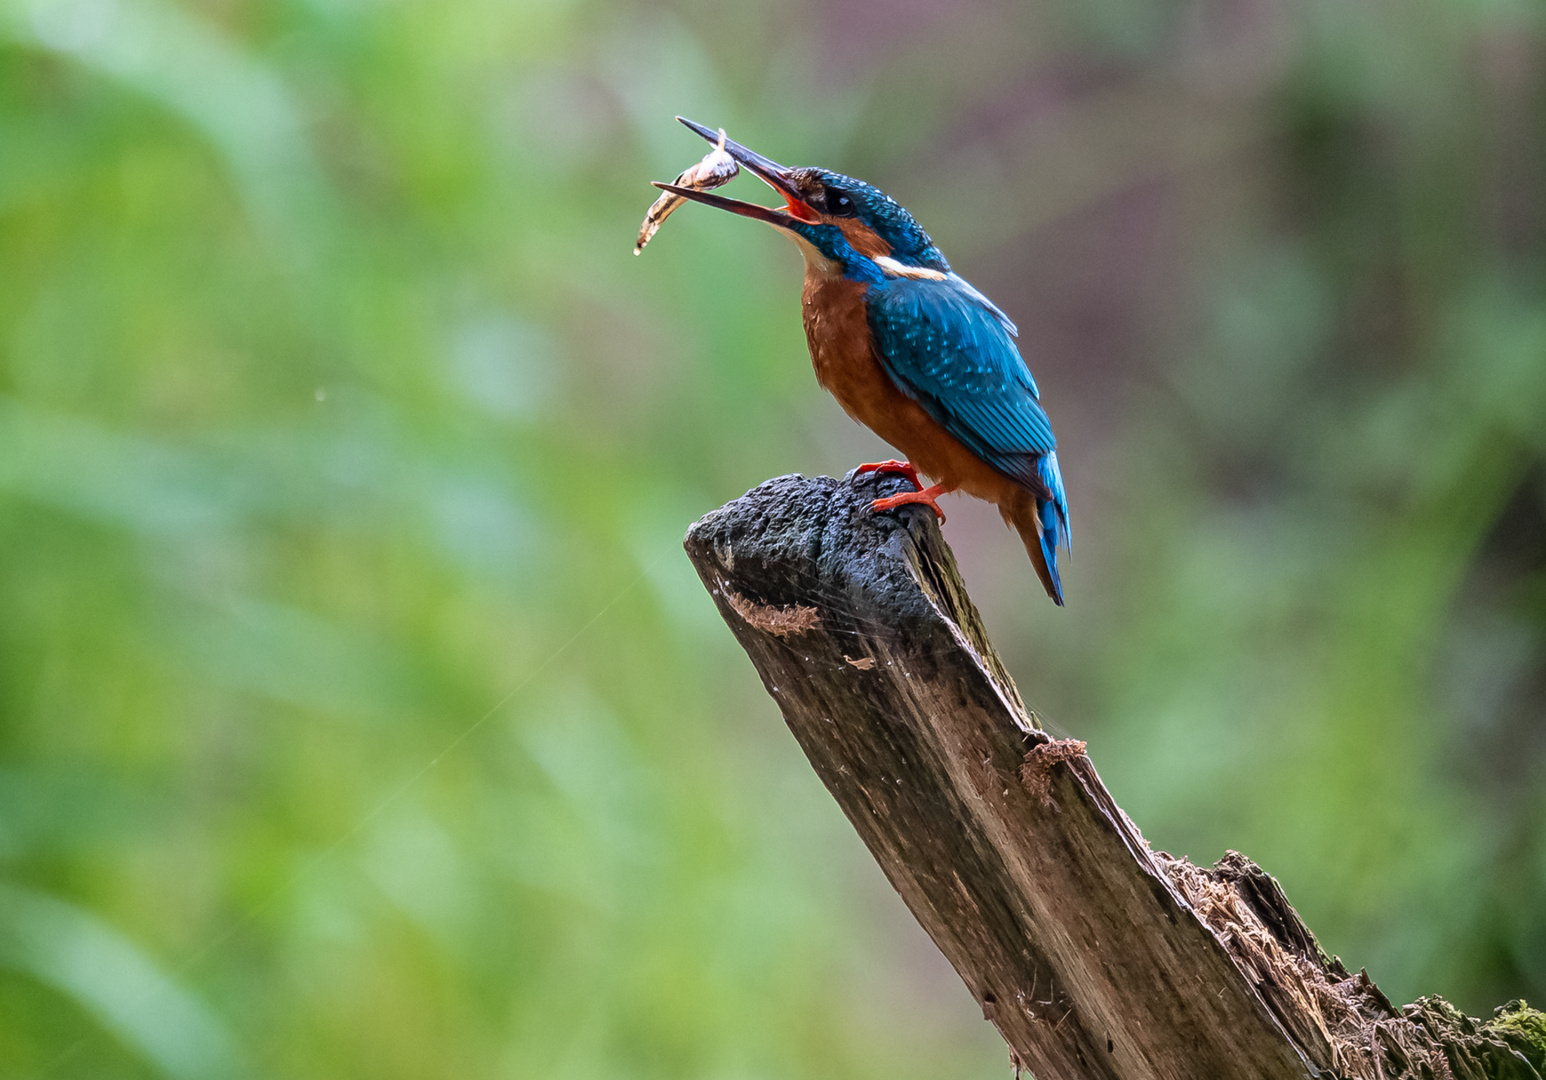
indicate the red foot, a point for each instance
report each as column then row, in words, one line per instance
column 925, row 497
column 902, row 468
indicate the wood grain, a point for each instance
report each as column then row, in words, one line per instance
column 1061, row 923
column 1093, row 956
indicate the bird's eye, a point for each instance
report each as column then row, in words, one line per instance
column 839, row 204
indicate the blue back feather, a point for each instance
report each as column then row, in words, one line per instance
column 949, row 351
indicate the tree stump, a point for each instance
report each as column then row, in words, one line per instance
column 1092, row 955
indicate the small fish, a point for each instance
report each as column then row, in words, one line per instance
column 716, row 168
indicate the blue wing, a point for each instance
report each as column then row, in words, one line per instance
column 949, row 349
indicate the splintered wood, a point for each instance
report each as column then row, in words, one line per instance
column 1036, row 771
column 715, row 170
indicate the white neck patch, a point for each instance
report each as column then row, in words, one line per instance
column 891, row 268
column 818, row 263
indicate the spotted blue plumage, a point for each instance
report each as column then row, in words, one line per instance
column 949, row 349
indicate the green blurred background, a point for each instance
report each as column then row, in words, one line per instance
column 359, row 712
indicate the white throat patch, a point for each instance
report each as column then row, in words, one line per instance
column 815, row 261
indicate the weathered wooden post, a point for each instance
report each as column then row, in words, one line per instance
column 1092, row 955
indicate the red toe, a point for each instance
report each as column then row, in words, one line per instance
column 901, row 468
column 925, row 497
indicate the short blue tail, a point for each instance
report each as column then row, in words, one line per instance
column 1053, row 515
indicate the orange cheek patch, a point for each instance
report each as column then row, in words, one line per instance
column 863, row 239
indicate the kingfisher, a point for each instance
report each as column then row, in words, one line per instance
column 912, row 351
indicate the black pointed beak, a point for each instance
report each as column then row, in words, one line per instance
column 781, row 219
column 769, row 171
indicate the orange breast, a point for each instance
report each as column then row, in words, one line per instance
column 839, row 338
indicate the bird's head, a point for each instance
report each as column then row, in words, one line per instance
column 844, row 226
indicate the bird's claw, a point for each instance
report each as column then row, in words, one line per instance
column 900, row 468
column 925, row 497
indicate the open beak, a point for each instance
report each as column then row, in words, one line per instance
column 770, row 172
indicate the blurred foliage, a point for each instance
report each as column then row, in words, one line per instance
column 359, row 714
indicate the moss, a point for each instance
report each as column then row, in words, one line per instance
column 1523, row 1029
